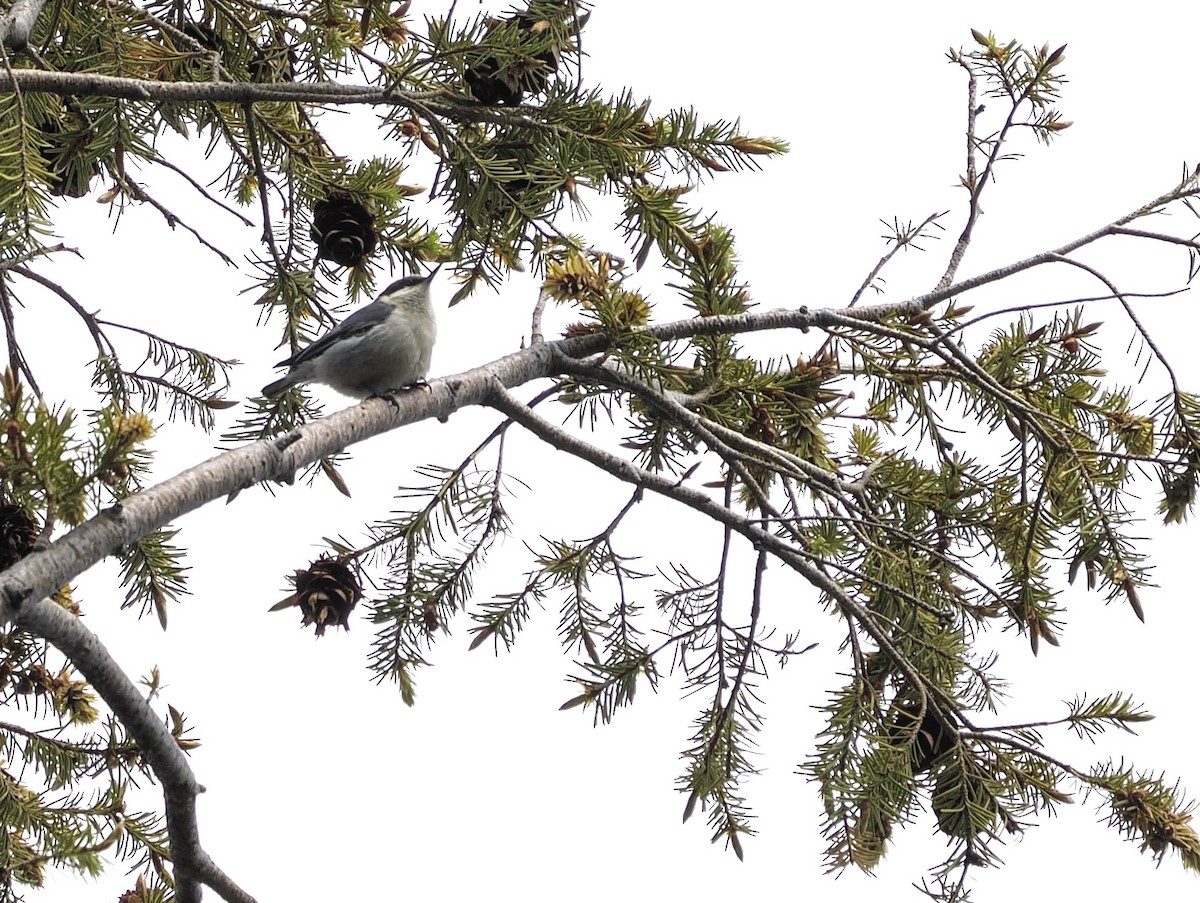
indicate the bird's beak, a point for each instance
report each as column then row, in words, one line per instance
column 429, row 278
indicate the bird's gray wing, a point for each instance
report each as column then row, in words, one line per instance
column 359, row 322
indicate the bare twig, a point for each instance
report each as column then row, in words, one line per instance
column 900, row 239
column 16, row 357
column 138, row 193
column 268, row 234
column 1067, row 302
column 976, row 182
column 535, row 332
column 103, row 345
column 163, row 161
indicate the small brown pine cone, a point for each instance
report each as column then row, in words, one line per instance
column 932, row 738
column 343, row 230
column 490, row 86
column 325, row 593
column 17, row 533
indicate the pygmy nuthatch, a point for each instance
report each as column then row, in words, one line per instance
column 382, row 347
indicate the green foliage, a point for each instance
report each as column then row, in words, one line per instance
column 24, row 177
column 188, row 383
column 82, row 812
column 840, row 465
column 1145, row 809
column 1025, row 77
column 431, row 554
column 152, row 574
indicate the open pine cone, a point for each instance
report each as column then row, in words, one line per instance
column 325, row 593
column 17, row 533
column 343, row 230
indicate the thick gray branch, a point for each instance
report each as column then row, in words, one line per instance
column 17, row 23
column 24, row 588
column 33, row 81
column 26, row 585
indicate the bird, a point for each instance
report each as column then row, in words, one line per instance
column 378, row 349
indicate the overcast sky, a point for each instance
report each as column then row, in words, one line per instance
column 322, row 785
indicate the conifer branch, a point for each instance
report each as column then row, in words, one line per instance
column 193, row 866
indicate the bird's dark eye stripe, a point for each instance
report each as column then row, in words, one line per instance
column 404, row 283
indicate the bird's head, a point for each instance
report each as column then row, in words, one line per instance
column 411, row 291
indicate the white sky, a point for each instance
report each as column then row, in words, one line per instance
column 323, row 785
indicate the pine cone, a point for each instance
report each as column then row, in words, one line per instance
column 932, row 739
column 272, row 62
column 491, row 88
column 343, row 231
column 492, row 84
column 326, row 593
column 36, row 680
column 577, row 329
column 17, row 534
column 64, row 155
column 204, row 35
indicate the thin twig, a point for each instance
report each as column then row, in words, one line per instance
column 535, row 332
column 260, row 173
column 1023, row 308
column 138, row 193
column 16, row 357
column 104, row 347
column 163, row 161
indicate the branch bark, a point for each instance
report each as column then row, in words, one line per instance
column 29, row 583
column 85, row 84
column 17, row 23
